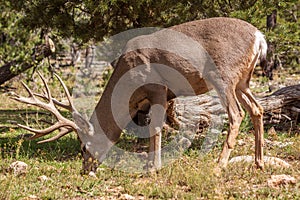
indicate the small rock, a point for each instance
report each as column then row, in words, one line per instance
column 100, row 169
column 246, row 159
column 241, row 142
column 43, row 178
column 276, row 180
column 184, row 143
column 285, row 144
column 31, row 197
column 278, row 144
column 271, row 161
column 92, row 174
column 276, row 162
column 127, row 197
column 18, row 168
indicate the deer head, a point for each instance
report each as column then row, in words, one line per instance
column 80, row 125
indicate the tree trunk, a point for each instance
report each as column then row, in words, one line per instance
column 41, row 51
column 6, row 73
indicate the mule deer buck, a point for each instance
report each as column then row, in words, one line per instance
column 187, row 59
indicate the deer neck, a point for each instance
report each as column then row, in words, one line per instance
column 112, row 111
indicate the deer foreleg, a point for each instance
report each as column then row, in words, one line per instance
column 158, row 112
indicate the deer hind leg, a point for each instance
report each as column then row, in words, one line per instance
column 158, row 101
column 256, row 113
column 235, row 116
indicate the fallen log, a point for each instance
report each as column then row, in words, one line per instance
column 203, row 117
column 204, row 110
column 282, row 105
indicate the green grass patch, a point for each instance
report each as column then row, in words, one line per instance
column 193, row 175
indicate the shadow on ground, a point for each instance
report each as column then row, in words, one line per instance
column 14, row 141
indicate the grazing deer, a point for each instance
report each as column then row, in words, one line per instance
column 187, row 59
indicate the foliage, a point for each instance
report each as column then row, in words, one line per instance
column 22, row 22
column 16, row 42
column 286, row 35
column 88, row 19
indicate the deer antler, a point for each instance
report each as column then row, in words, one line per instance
column 62, row 123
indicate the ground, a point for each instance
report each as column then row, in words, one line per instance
column 53, row 170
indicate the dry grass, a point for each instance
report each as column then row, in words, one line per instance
column 192, row 176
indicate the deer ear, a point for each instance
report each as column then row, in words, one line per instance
column 84, row 126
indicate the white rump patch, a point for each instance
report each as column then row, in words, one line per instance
column 260, row 44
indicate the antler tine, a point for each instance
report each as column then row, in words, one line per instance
column 62, row 133
column 66, row 92
column 27, row 89
column 40, row 133
column 48, row 92
column 55, row 101
column 28, row 100
column 62, row 122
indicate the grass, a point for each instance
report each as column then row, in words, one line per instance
column 192, row 176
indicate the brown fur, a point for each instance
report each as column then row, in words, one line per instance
column 230, row 44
